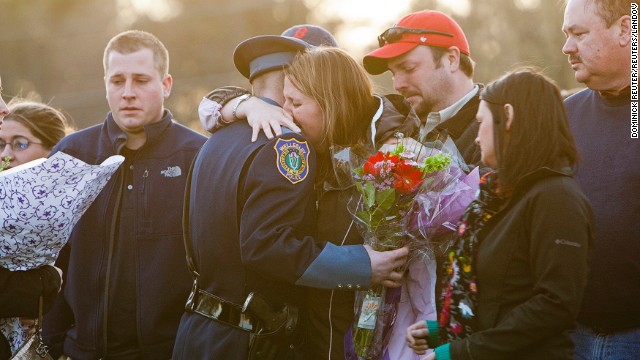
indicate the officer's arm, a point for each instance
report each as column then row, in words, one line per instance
column 277, row 222
column 354, row 267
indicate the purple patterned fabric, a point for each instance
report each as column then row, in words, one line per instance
column 40, row 202
column 39, row 205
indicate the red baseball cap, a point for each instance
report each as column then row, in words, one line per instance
column 426, row 27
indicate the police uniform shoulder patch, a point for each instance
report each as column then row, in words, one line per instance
column 292, row 159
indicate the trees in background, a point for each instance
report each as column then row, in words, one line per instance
column 53, row 48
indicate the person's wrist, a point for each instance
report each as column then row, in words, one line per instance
column 433, row 338
column 443, row 352
column 241, row 99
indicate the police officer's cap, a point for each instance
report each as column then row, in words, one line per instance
column 261, row 54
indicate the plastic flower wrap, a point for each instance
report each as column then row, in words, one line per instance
column 440, row 203
column 40, row 202
column 404, row 198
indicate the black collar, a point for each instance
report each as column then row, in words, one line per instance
column 457, row 125
column 118, row 137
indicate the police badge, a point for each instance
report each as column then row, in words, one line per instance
column 292, row 160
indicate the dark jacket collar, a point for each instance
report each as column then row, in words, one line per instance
column 525, row 182
column 460, row 121
column 397, row 116
column 545, row 171
column 118, row 138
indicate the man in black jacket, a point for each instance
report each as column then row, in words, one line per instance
column 126, row 274
column 428, row 54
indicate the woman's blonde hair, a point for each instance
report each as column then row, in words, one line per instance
column 342, row 89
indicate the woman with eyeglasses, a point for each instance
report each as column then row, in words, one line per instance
column 28, row 130
column 518, row 266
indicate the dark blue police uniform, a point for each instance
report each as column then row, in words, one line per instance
column 252, row 218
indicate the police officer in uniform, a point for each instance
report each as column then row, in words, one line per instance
column 251, row 222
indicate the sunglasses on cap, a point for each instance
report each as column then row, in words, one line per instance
column 395, row 33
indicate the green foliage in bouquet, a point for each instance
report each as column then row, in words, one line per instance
column 5, row 163
column 389, row 177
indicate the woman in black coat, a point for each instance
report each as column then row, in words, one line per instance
column 517, row 270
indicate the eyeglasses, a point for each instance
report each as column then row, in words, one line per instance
column 395, row 33
column 18, row 144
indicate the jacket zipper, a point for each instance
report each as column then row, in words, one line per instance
column 112, row 236
column 145, row 212
column 145, row 175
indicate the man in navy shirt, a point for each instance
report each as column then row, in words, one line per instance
column 598, row 47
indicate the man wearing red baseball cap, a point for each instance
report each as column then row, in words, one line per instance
column 428, row 55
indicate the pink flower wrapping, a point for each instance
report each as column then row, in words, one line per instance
column 401, row 201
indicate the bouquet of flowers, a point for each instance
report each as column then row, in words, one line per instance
column 40, row 202
column 401, row 198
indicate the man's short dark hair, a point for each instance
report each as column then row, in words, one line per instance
column 133, row 40
column 467, row 64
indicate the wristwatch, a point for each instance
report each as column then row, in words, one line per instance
column 240, row 100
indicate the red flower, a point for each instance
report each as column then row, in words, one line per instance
column 378, row 159
column 408, row 178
